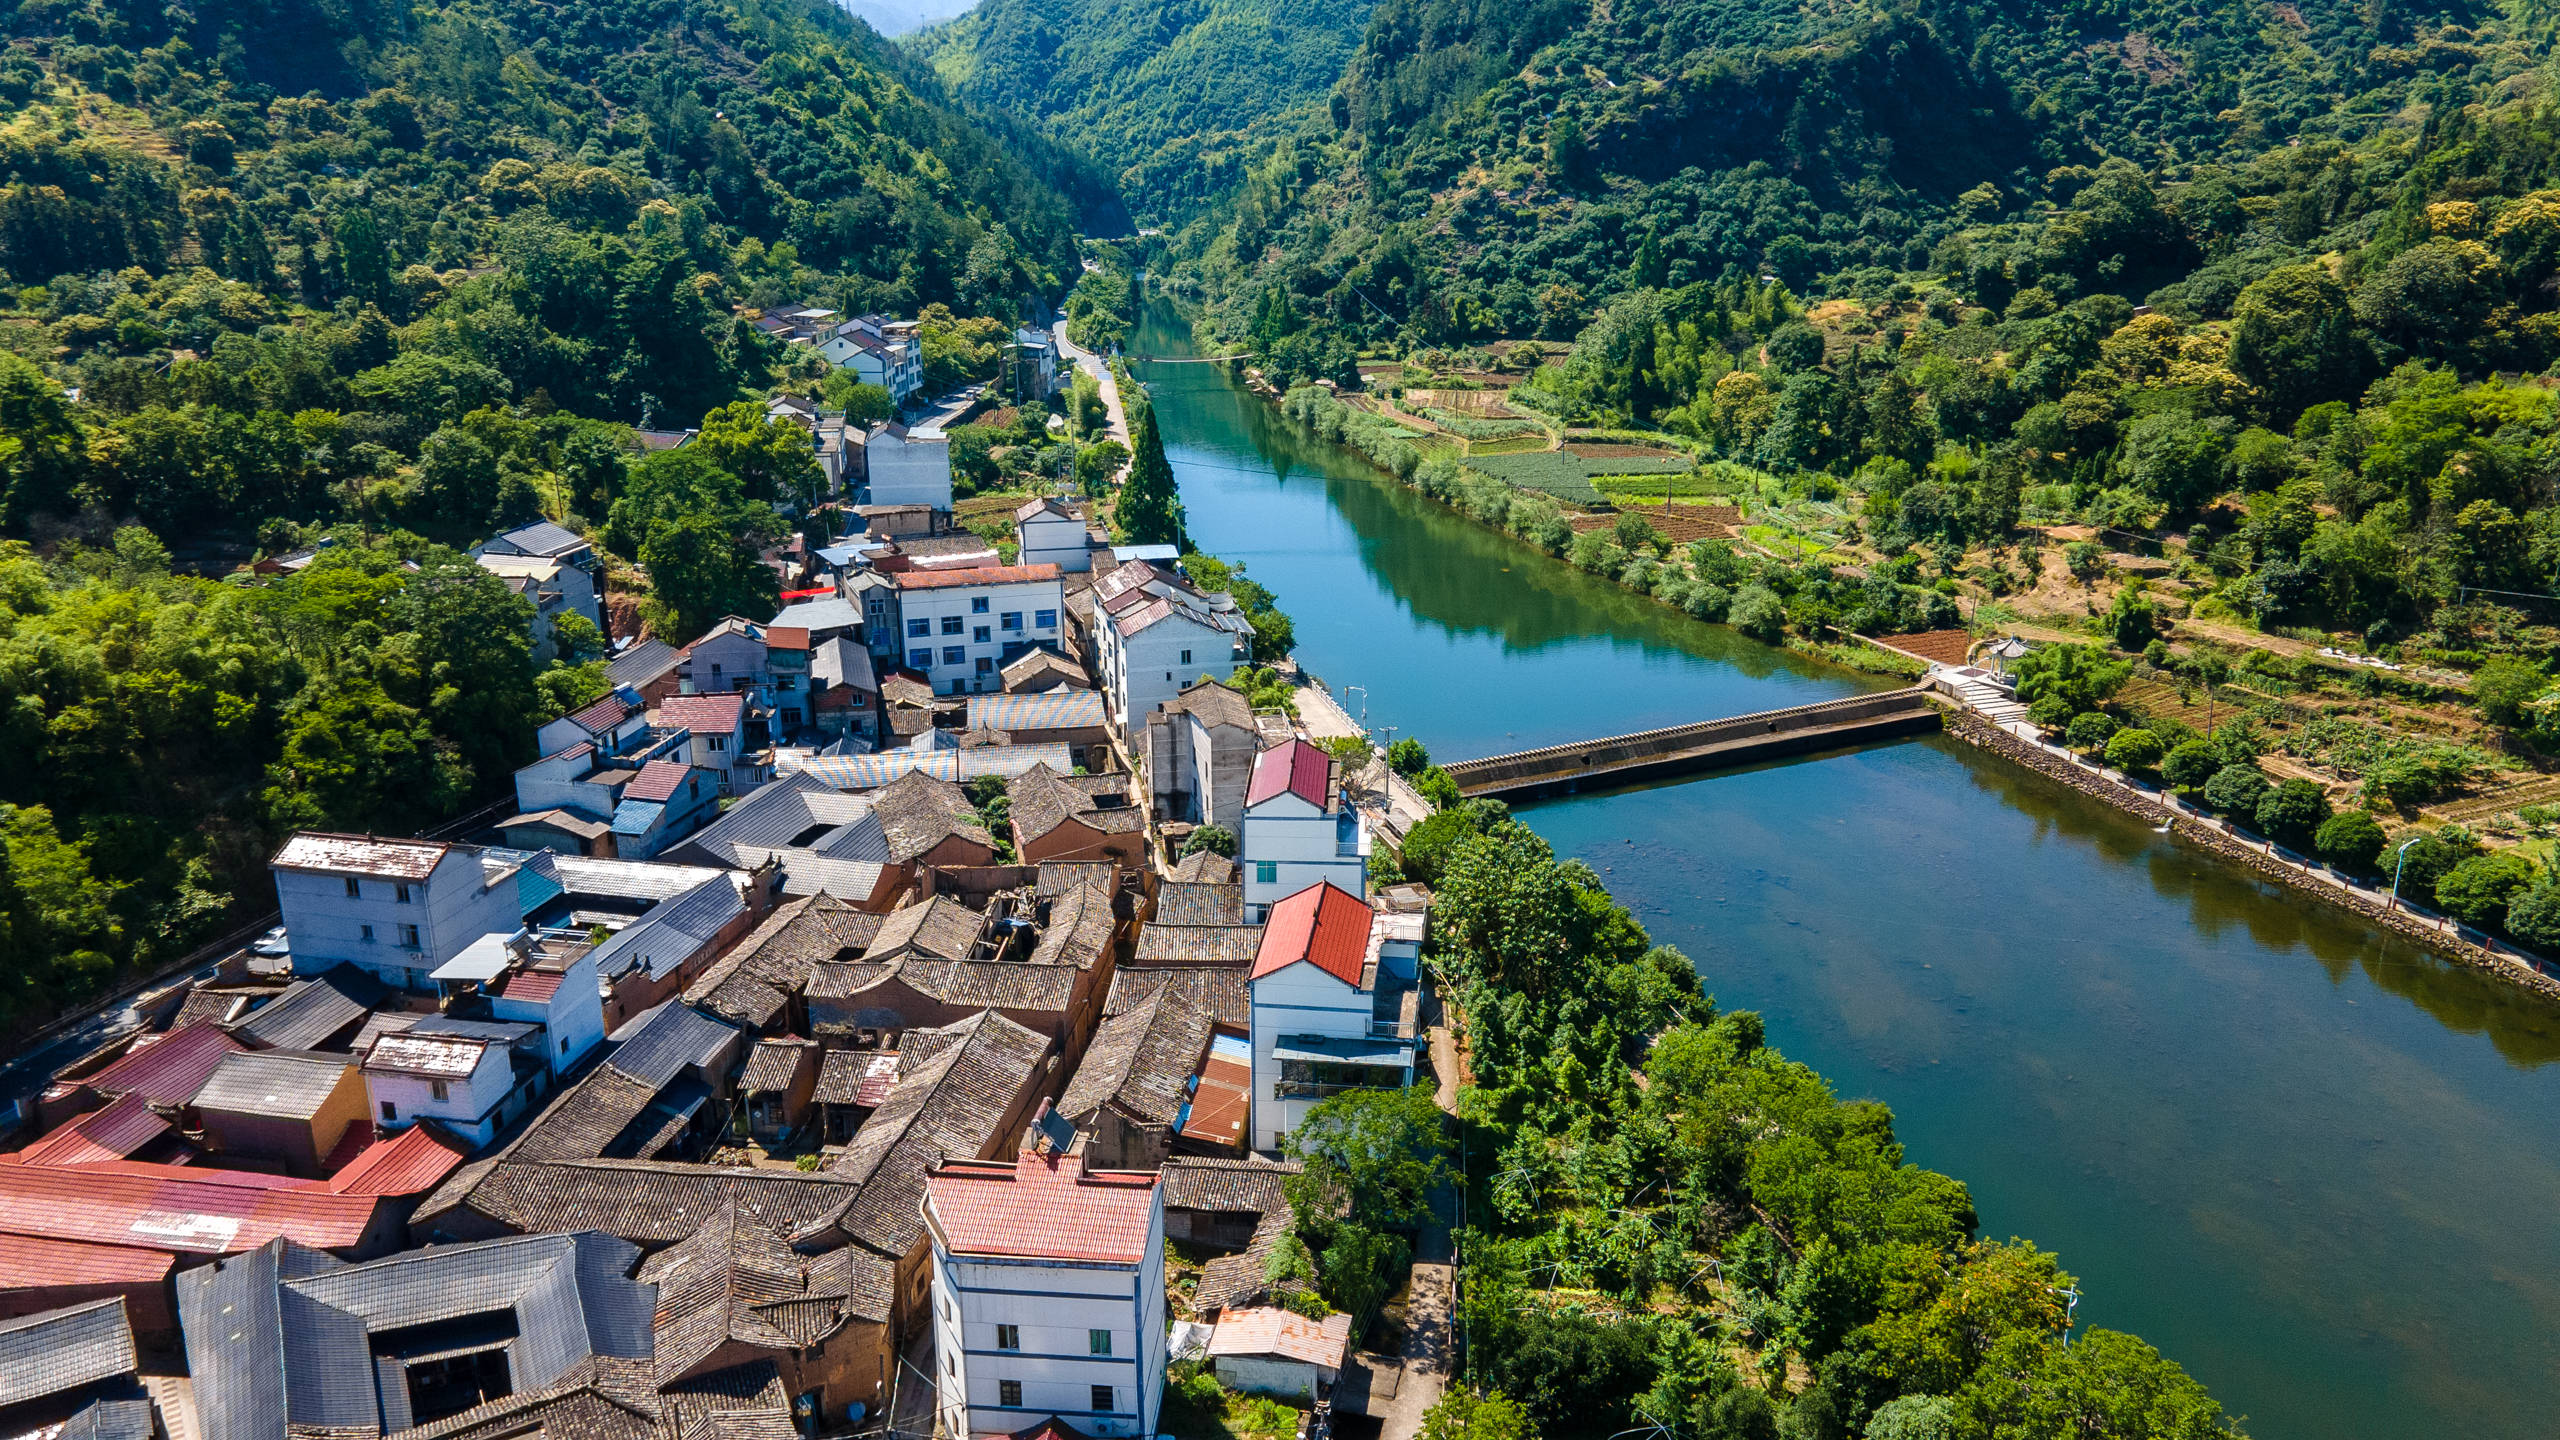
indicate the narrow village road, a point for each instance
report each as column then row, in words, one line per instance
column 1092, row 365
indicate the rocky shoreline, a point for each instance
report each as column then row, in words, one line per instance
column 1982, row 734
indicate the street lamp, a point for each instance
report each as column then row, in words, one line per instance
column 2399, row 864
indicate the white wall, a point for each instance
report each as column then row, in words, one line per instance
column 572, row 1019
column 472, row 1104
column 1054, row 1306
column 981, row 636
column 1049, row 540
column 1299, row 999
column 1301, row 846
column 1147, row 669
column 450, row 909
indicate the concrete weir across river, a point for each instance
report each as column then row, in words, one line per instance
column 2314, row 1165
column 1699, row 745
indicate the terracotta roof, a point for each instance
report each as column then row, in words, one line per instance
column 974, row 575
column 32, row 1262
column 412, row 1162
column 1045, row 1207
column 1269, row 1330
column 1296, row 768
column 532, row 986
column 703, row 714
column 659, row 780
column 1222, row 1100
column 175, row 1208
column 602, row 716
column 360, row 855
column 122, row 1128
column 1324, row 925
column 786, row 637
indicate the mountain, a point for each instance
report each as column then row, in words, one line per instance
column 1175, row 100
column 905, row 17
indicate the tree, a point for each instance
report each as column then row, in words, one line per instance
column 2083, row 676
column 2422, row 862
column 1215, row 839
column 1462, row 1414
column 1759, row 613
column 859, row 402
column 1427, row 846
column 2477, row 891
column 1149, row 511
column 2090, row 730
column 2235, row 790
column 362, row 257
column 2190, row 764
column 2135, row 751
column 2133, row 619
column 2293, row 335
column 2106, row 1384
column 2533, row 915
column 1374, row 1156
column 1097, row 463
column 1408, row 757
column 2503, row 685
column 700, row 570
column 771, row 457
column 2292, row 813
column 2350, row 840
column 2176, row 458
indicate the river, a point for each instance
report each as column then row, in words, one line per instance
column 2313, row 1165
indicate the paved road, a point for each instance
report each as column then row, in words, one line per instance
column 1091, row 364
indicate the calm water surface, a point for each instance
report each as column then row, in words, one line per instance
column 2316, row 1167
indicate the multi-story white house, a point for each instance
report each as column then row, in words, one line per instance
column 902, row 466
column 1297, row 831
column 1052, row 533
column 1200, row 752
column 1328, row 992
column 1154, row 633
column 1031, row 366
column 395, row 909
column 1048, row 1295
column 879, row 351
column 959, row 627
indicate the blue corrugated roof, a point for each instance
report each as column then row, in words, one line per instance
column 634, row 817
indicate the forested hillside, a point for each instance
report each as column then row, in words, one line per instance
column 390, row 276
column 1176, row 101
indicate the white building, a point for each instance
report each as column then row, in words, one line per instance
column 1200, row 752
column 1051, row 533
column 1297, row 832
column 959, row 627
column 553, row 589
column 395, row 909
column 1265, row 1350
column 1326, row 1002
column 463, row 1082
column 1154, row 633
column 1031, row 366
column 905, row 467
column 1048, row 1295
column 879, row 351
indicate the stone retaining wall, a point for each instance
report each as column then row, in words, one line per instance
column 1971, row 728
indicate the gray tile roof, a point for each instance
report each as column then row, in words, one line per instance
column 649, row 1202
column 1043, row 800
column 1181, row 902
column 61, row 1350
column 669, row 1039
column 311, row 1011
column 917, row 812
column 778, row 815
column 673, row 931
column 1206, row 867
column 773, row 1066
column 543, row 538
column 1212, row 702
column 1223, row 994
column 642, row 663
column 753, row 984
column 1140, row 1062
column 939, row 926
column 1078, row 930
column 1224, row 1186
column 286, row 1087
column 737, row 1281
column 958, row 1083
column 1196, row 944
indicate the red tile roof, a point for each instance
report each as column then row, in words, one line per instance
column 786, row 637
column 975, row 575
column 1220, row 1102
column 28, row 1262
column 532, row 986
column 170, row 1069
column 126, row 1125
column 1296, row 768
column 658, row 780
column 603, row 716
column 1269, row 1330
column 703, row 714
column 412, row 1162
column 1324, row 925
column 1044, row 1207
column 167, row 1207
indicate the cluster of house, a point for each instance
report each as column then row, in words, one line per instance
column 890, row 353
column 801, row 1102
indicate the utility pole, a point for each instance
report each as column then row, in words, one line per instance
column 2398, row 867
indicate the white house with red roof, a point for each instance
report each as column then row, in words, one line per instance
column 1154, row 632
column 395, row 909
column 1297, row 830
column 1048, row 1283
column 663, row 803
column 1326, row 1003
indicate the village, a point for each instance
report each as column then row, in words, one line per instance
column 886, row 1016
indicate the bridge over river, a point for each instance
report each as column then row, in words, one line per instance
column 1736, row 740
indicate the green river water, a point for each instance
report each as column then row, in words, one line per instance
column 2315, row 1166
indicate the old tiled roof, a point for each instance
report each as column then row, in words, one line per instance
column 360, row 855
column 1296, row 768
column 611, row 1398
column 939, row 926
column 1245, row 1278
column 703, row 714
column 753, row 984
column 1212, row 703
column 1187, row 903
column 1140, row 1062
column 602, row 716
column 658, row 781
column 310, row 1011
column 1043, row 800
column 997, row 984
column 1229, row 1187
column 1205, row 867
column 59, row 1350
column 959, row 1084
column 977, row 575
column 737, row 1281
column 1222, row 993
column 1034, row 670
column 917, row 812
column 1324, row 925
column 285, row 1087
column 1047, row 1207
column 857, row 1077
column 1160, row 944
column 1078, row 930
column 1057, row 877
column 774, row 1065
column 583, row 1123
column 650, row 1203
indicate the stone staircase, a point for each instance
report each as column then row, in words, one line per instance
column 1986, row 699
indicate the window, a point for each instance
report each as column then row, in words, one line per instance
column 1097, row 1342
column 920, row 659
column 1008, row 1337
column 1186, row 657
column 354, row 891
column 368, row 933
column 980, row 635
column 409, row 936
column 1010, row 620
column 955, row 654
column 715, row 672
column 986, row 665
column 390, row 1111
column 1266, row 872
column 977, row 604
column 400, row 894
column 718, row 743
column 1009, row 1394
column 1102, row 1397
column 439, row 1089
column 1045, row 619
column 953, row 625
column 919, row 627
